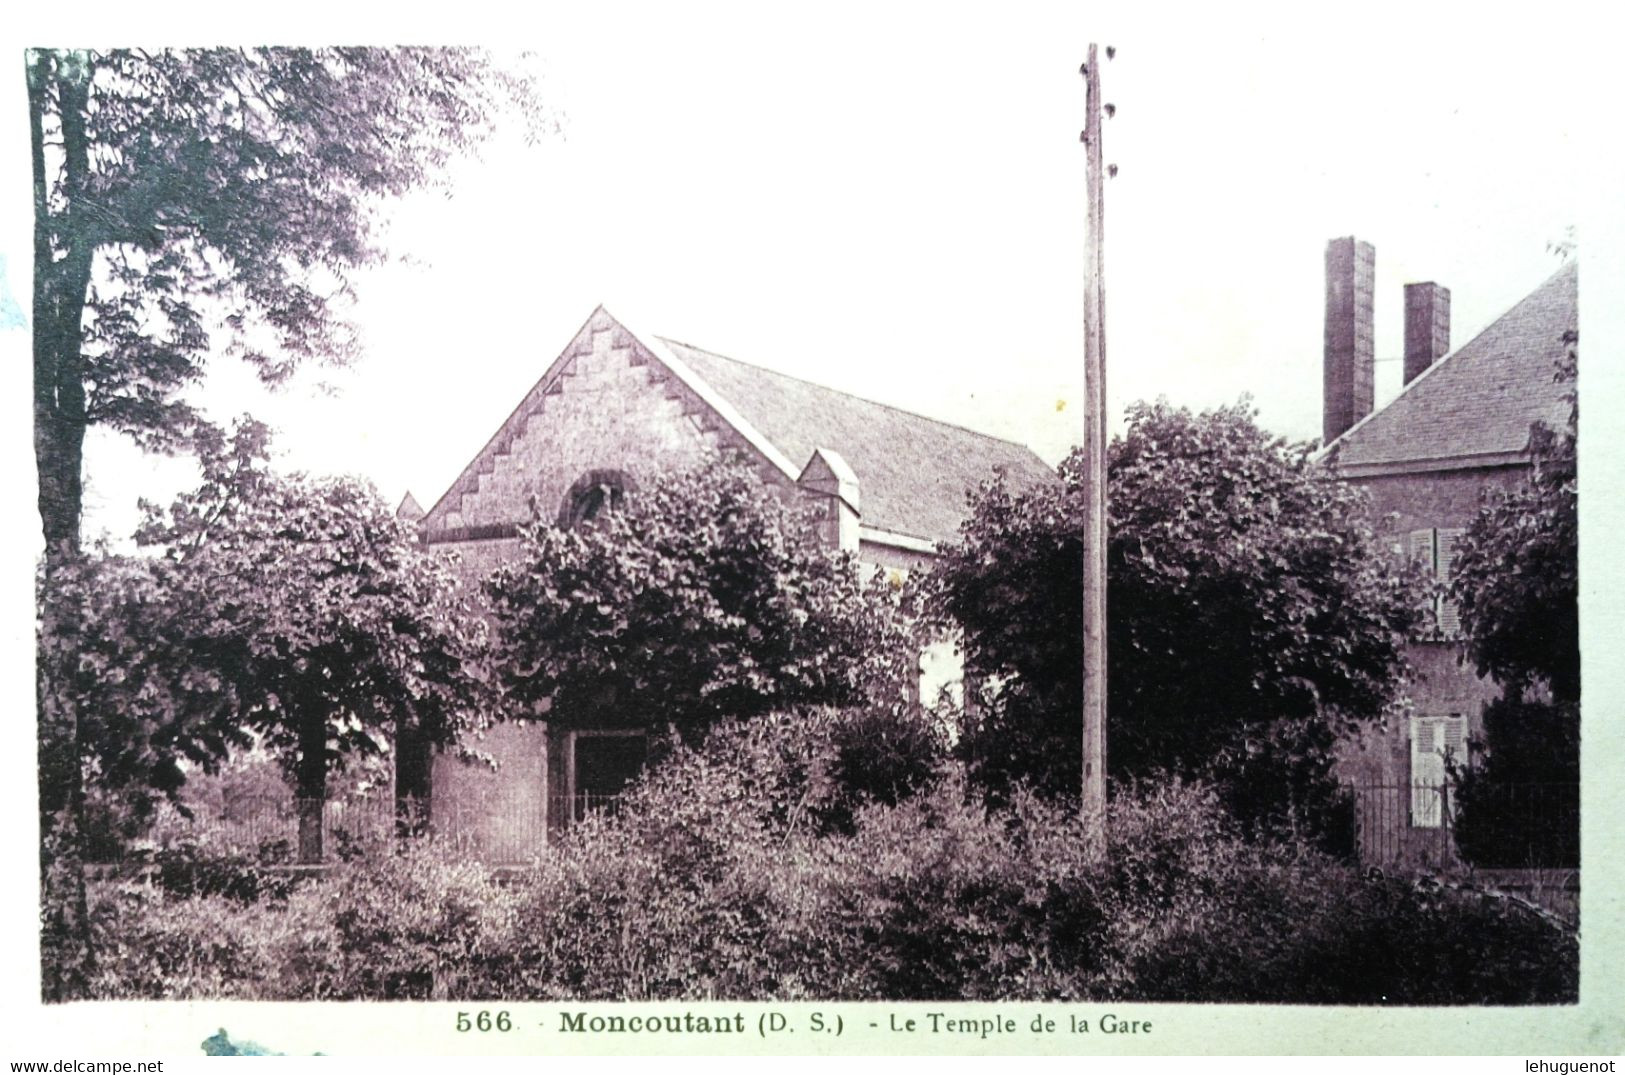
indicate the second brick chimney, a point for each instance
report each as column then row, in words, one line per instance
column 1427, row 327
column 1350, row 383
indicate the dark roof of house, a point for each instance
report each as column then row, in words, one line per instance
column 1478, row 403
column 913, row 472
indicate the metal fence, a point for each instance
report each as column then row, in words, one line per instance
column 497, row 828
column 1405, row 825
column 571, row 808
column 268, row 830
column 1440, row 826
column 1411, row 826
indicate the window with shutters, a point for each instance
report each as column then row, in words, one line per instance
column 1435, row 743
column 1435, row 551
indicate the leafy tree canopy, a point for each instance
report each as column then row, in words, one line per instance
column 290, row 611
column 1521, row 806
column 1516, row 573
column 1516, row 576
column 203, row 201
column 189, row 203
column 1244, row 589
column 703, row 596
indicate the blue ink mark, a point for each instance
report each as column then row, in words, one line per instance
column 11, row 314
column 222, row 1045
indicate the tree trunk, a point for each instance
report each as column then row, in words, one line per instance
column 311, row 779
column 66, row 956
column 63, row 253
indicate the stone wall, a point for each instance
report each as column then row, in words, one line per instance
column 499, row 814
column 1444, row 498
column 1378, row 760
column 1401, row 503
column 607, row 408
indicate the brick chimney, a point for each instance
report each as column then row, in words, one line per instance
column 1350, row 330
column 1427, row 327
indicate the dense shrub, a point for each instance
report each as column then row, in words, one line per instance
column 1201, row 917
column 747, row 869
column 712, row 883
column 1279, row 782
column 154, row 945
column 193, row 869
column 419, row 925
column 884, row 755
column 1521, row 808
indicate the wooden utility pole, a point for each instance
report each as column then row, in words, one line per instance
column 1094, row 474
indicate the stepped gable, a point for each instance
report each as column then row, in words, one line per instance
column 1474, row 407
column 643, row 397
column 620, row 405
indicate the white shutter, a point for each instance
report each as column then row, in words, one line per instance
column 1423, row 553
column 1449, row 613
column 1427, row 771
column 1420, row 548
column 1453, row 736
column 1454, row 745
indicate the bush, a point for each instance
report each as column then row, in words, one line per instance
column 885, row 755
column 747, row 870
column 415, row 925
column 1278, row 781
column 1522, row 807
column 192, row 869
column 418, row 925
column 153, row 945
column 1199, row 915
column 712, row 883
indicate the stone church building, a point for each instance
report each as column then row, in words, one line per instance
column 617, row 404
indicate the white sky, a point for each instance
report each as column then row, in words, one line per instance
column 890, row 202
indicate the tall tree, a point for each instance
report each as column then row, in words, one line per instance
column 1516, row 577
column 194, row 202
column 1516, row 574
column 1244, row 591
column 700, row 597
column 291, row 612
column 188, row 203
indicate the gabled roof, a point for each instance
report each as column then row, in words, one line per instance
column 913, row 472
column 410, row 509
column 1474, row 407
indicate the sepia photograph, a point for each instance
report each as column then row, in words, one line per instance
column 689, row 516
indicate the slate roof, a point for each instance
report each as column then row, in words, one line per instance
column 1474, row 406
column 913, row 472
